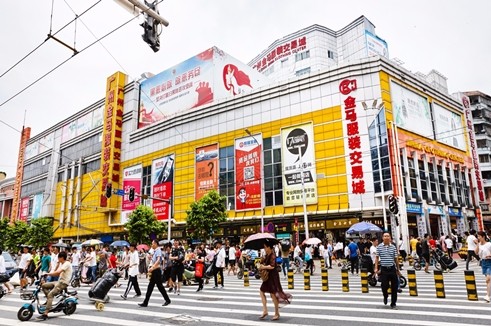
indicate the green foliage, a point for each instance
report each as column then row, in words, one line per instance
column 17, row 233
column 205, row 215
column 141, row 223
column 4, row 231
column 41, row 232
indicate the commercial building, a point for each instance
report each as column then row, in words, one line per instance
column 326, row 146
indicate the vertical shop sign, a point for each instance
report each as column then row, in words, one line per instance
column 162, row 186
column 112, row 133
column 248, row 173
column 25, row 135
column 355, row 155
column 298, row 157
column 132, row 178
column 24, row 209
column 206, row 178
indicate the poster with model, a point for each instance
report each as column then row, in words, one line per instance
column 298, row 158
column 132, row 178
column 162, row 186
column 206, row 177
column 449, row 128
column 248, row 173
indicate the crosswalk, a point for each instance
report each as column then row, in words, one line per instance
column 239, row 305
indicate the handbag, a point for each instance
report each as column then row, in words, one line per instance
column 198, row 271
column 264, row 273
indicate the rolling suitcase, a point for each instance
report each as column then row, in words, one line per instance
column 449, row 262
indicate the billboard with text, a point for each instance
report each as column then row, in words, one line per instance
column 248, row 173
column 162, row 186
column 206, row 177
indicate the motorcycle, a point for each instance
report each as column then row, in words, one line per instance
column 4, row 278
column 80, row 277
column 66, row 302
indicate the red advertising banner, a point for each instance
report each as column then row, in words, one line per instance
column 24, row 209
column 162, row 186
column 206, row 170
column 248, row 172
column 132, row 178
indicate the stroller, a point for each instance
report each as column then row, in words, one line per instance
column 442, row 261
column 98, row 292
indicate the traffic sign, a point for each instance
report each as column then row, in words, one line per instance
column 119, row 192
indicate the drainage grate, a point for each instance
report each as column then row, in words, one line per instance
column 181, row 320
column 209, row 299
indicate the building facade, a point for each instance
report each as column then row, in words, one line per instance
column 320, row 150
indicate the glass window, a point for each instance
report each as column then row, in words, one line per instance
column 422, row 177
column 433, row 184
column 380, row 146
column 272, row 174
column 226, row 176
column 441, row 181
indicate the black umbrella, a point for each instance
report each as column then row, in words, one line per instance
column 257, row 240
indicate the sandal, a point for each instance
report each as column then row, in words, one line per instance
column 276, row 317
column 264, row 315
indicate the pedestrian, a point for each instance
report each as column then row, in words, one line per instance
column 167, row 266
column 3, row 274
column 45, row 262
column 285, row 256
column 63, row 273
column 132, row 273
column 386, row 262
column 25, row 261
column 75, row 260
column 354, row 254
column 329, row 252
column 425, row 251
column 449, row 245
column 200, row 260
column 142, row 266
column 483, row 250
column 402, row 249
column 125, row 261
column 156, row 276
column 102, row 263
column 231, row 260
column 272, row 284
column 177, row 256
column 471, row 248
column 219, row 263
column 412, row 247
column 309, row 260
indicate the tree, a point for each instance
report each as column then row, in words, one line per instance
column 41, row 232
column 205, row 215
column 17, row 235
column 141, row 224
column 4, row 231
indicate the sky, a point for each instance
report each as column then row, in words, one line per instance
column 450, row 36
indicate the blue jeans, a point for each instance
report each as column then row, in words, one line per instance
column 91, row 273
column 285, row 265
column 52, row 279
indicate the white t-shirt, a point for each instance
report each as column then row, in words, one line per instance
column 231, row 253
column 76, row 259
column 296, row 252
column 471, row 245
column 373, row 253
column 220, row 258
column 322, row 250
column 449, row 243
column 3, row 269
column 93, row 260
column 54, row 262
column 24, row 259
column 134, row 261
column 485, row 250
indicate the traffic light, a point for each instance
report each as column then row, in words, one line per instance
column 132, row 194
column 109, row 190
column 150, row 26
column 393, row 206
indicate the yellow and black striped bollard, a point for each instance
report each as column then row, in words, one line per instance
column 439, row 286
column 290, row 279
column 470, row 285
column 246, row 278
column 306, row 280
column 364, row 280
column 323, row 263
column 399, row 259
column 345, row 280
column 411, row 279
column 325, row 279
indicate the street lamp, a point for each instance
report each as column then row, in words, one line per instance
column 304, row 200
column 260, row 179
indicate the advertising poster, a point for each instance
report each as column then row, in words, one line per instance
column 24, row 209
column 411, row 111
column 46, row 142
column 162, row 185
column 206, row 170
column 376, row 45
column 298, row 157
column 37, row 203
column 248, row 172
column 132, row 178
column 448, row 127
column 200, row 80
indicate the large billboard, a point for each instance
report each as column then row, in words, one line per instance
column 376, row 45
column 206, row 177
column 132, row 178
column 298, row 157
column 411, row 111
column 202, row 79
column 248, row 173
column 162, row 186
column 448, row 127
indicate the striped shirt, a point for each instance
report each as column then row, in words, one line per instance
column 386, row 254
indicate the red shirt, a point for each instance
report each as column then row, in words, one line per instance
column 112, row 261
column 432, row 243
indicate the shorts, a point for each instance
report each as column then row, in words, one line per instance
column 232, row 262
column 176, row 272
column 426, row 257
column 486, row 266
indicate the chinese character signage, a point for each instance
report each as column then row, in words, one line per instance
column 248, row 173
column 132, row 178
column 25, row 135
column 162, row 186
column 200, row 80
column 24, row 209
column 111, row 135
column 281, row 51
column 298, row 157
column 414, row 208
column 206, row 177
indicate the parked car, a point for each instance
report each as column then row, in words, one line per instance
column 10, row 264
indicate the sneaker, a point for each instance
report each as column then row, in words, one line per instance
column 215, row 287
column 143, row 305
column 175, row 290
column 486, row 298
column 42, row 317
column 221, row 287
column 399, row 290
column 385, row 301
column 393, row 306
column 179, row 292
column 124, row 298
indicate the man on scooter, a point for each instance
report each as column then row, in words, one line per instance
column 52, row 289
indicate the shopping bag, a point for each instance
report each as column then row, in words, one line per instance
column 198, row 270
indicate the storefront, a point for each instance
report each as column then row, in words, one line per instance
column 438, row 222
column 336, row 228
column 415, row 215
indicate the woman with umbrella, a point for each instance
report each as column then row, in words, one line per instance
column 272, row 283
column 142, row 266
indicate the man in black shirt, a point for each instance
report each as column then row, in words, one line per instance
column 425, row 251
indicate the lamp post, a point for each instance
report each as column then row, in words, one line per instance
column 260, row 179
column 304, row 200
